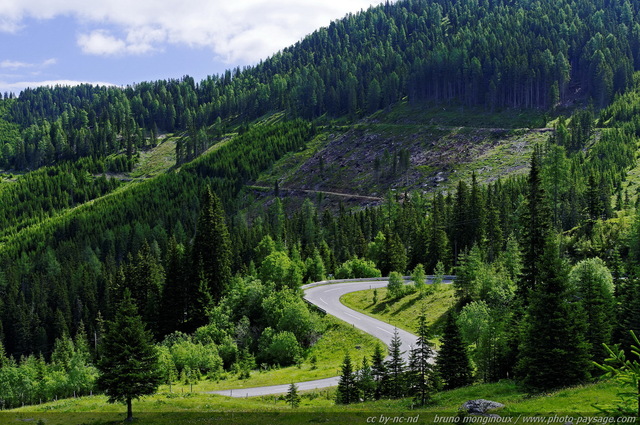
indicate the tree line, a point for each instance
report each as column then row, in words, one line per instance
column 490, row 53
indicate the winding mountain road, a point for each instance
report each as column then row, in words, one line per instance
column 326, row 296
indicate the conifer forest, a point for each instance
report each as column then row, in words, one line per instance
column 197, row 269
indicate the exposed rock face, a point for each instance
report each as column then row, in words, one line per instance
column 480, row 407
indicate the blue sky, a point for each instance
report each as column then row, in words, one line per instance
column 120, row 42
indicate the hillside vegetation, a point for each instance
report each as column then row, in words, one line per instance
column 490, row 139
column 495, row 54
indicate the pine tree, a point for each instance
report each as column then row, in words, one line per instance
column 536, row 226
column 476, row 212
column 453, row 360
column 395, row 254
column 347, row 392
column 212, row 245
column 201, row 302
column 365, row 381
column 422, row 376
column 628, row 310
column 144, row 277
column 379, row 372
column 129, row 364
column 553, row 350
column 174, row 302
column 395, row 367
column 292, row 397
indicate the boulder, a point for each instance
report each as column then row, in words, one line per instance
column 480, row 407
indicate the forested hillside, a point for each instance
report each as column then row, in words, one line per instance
column 491, row 53
column 215, row 275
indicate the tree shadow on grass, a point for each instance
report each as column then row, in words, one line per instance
column 382, row 306
column 437, row 327
column 408, row 304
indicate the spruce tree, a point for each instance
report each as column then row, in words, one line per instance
column 174, row 304
column 129, row 364
column 438, row 244
column 553, row 350
column 536, row 226
column 144, row 276
column 477, row 212
column 292, row 397
column 379, row 372
column 395, row 254
column 461, row 236
column 395, row 367
column 365, row 381
column 212, row 245
column 628, row 310
column 453, row 363
column 422, row 377
column 347, row 392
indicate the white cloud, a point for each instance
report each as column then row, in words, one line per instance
column 11, row 64
column 19, row 86
column 100, row 42
column 239, row 32
column 138, row 41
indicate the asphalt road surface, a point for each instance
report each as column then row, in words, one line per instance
column 326, row 296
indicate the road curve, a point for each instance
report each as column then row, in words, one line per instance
column 326, row 296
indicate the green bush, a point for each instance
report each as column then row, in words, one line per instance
column 357, row 268
column 280, row 348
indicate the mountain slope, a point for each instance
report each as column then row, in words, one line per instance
column 489, row 53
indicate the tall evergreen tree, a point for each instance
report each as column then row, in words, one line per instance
column 453, row 363
column 347, row 392
column 422, row 376
column 553, row 350
column 144, row 277
column 365, row 381
column 395, row 255
column 462, row 225
column 379, row 372
column 628, row 311
column 212, row 245
column 174, row 303
column 395, row 367
column 477, row 212
column 129, row 364
column 536, row 226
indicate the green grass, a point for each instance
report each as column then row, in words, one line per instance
column 507, row 157
column 179, row 405
column 316, row 407
column 291, row 162
column 338, row 339
column 403, row 312
column 180, row 399
column 157, row 160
